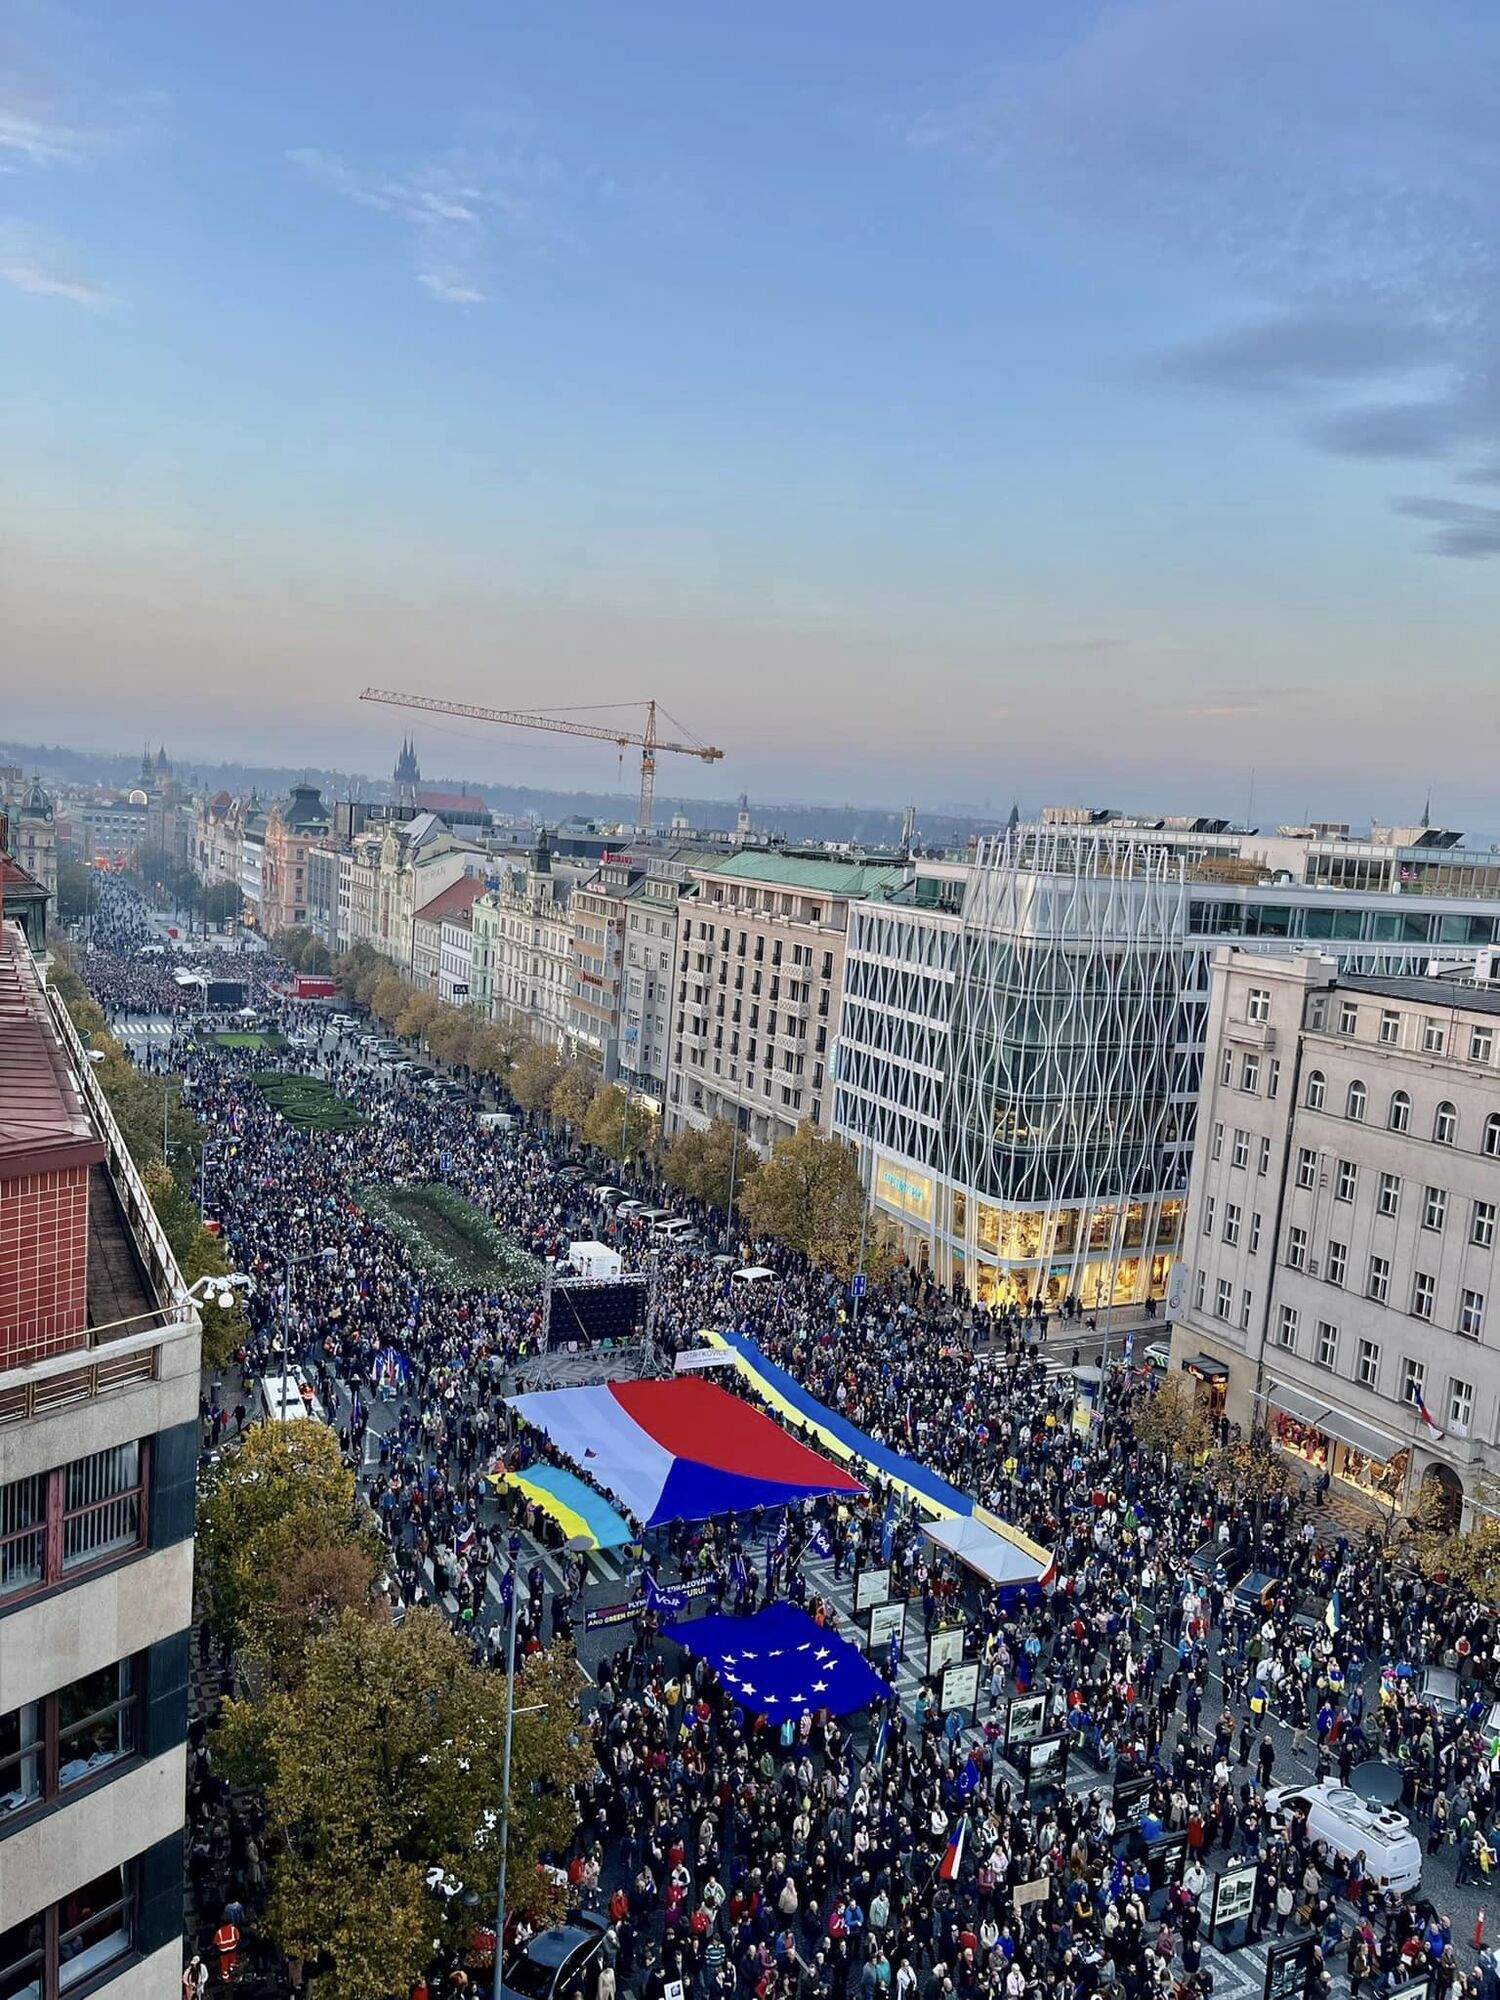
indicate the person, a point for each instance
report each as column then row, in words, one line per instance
column 194, row 1978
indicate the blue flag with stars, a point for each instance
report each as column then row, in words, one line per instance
column 781, row 1663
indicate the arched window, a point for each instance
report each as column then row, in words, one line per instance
column 1355, row 1102
column 1492, row 1135
column 1445, row 1126
column 1317, row 1090
column 1400, row 1115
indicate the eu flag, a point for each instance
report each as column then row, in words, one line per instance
column 782, row 1663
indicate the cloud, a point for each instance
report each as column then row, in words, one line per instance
column 453, row 206
column 36, row 266
column 1461, row 528
column 1332, row 168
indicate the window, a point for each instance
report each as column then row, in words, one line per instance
column 1241, row 1155
column 1247, row 1302
column 1399, row 1116
column 1389, row 1199
column 1208, row 1215
column 1482, row 1224
column 1273, row 1078
column 1355, row 1100
column 1492, row 1136
column 1258, row 1005
column 1423, row 1293
column 1413, row 1378
column 57, row 1523
column 1434, row 1035
column 65, row 1945
column 1254, row 1243
column 1471, row 1314
column 1326, row 1344
column 1224, row 1299
column 1296, row 1249
column 1199, row 1283
column 1445, row 1126
column 1481, row 1045
column 1434, row 1207
column 65, row 1738
column 1263, row 1166
column 1250, row 1076
column 1347, row 1182
column 1390, row 1027
column 1367, row 1364
column 1379, row 1286
column 1226, row 1067
column 1348, row 1017
column 1317, row 1090
column 1307, row 1167
column 1286, row 1327
column 1216, row 1151
column 1336, row 1263
column 1460, row 1406
column 1231, row 1222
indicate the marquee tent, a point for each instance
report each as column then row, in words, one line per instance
column 781, row 1663
column 680, row 1450
column 1006, row 1557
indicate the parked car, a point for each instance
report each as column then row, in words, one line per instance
column 554, row 1962
column 1393, row 1854
column 1438, row 1690
column 1219, row 1558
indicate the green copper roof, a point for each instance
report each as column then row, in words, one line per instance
column 833, row 877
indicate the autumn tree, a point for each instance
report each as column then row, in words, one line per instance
column 808, row 1196
column 618, row 1124
column 420, row 1011
column 707, row 1164
column 453, row 1034
column 388, row 998
column 307, row 1598
column 1250, row 1470
column 1168, row 1417
column 574, row 1093
column 1467, row 1556
column 537, row 1072
column 417, row 1732
column 286, row 1491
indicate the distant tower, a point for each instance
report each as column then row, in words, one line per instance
column 1015, row 817
column 908, row 828
column 541, row 860
column 407, row 775
column 163, row 762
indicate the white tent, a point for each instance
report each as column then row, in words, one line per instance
column 993, row 1556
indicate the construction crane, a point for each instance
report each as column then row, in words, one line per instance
column 648, row 741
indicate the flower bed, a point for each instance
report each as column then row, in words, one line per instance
column 307, row 1102
column 456, row 1244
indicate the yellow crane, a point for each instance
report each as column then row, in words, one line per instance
column 647, row 741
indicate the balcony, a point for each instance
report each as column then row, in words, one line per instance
column 1250, row 1034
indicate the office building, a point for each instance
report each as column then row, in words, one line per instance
column 99, row 1373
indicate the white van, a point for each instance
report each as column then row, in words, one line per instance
column 282, row 1400
column 495, row 1121
column 676, row 1229
column 1350, row 1825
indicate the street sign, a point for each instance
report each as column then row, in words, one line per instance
column 1025, row 1719
column 1234, row 1896
column 859, row 1285
column 944, row 1647
column 871, row 1586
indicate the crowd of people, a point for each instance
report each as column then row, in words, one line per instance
column 816, row 1857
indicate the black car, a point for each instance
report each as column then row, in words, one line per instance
column 1221, row 1559
column 554, row 1962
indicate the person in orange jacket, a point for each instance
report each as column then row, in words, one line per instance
column 227, row 1945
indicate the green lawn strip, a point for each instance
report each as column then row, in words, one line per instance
column 307, row 1102
column 456, row 1244
column 250, row 1038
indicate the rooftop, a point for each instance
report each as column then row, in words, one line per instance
column 43, row 1123
column 446, row 802
column 837, row 875
column 1439, row 994
column 458, row 899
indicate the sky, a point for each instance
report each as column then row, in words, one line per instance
column 1097, row 400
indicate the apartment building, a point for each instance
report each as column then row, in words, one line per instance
column 1022, row 1034
column 292, row 826
column 1340, row 1281
column 648, row 974
column 99, row 1374
column 524, row 951
column 439, row 918
column 760, row 968
column 598, row 907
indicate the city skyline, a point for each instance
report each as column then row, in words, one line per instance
column 884, row 397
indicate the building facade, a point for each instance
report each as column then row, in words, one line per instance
column 1339, row 1281
column 98, row 1455
column 530, row 926
column 449, row 908
column 648, row 975
column 598, row 908
column 760, row 967
column 1022, row 1036
column 292, row 825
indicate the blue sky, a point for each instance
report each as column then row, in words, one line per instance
column 957, row 403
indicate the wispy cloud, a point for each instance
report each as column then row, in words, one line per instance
column 1459, row 528
column 453, row 206
column 42, row 283
column 1334, row 168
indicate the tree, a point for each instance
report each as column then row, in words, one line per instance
column 308, row 1597
column 286, row 1490
column 73, row 889
column 292, row 943
column 708, row 1164
column 808, row 1196
column 419, row 1735
column 537, row 1072
column 1250, row 1470
column 417, row 1015
column 224, row 1327
column 388, row 997
column 222, row 902
column 618, row 1124
column 573, row 1094
column 1169, row 1418
column 497, row 1047
column 1470, row 1556
column 452, row 1034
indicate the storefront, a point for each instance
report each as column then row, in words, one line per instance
column 1367, row 1461
column 1212, row 1378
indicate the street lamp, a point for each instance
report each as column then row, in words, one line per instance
column 219, row 1289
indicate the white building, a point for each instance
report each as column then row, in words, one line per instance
column 1021, row 1036
column 1340, row 1264
column 529, row 950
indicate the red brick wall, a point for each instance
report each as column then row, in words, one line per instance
column 44, row 1230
